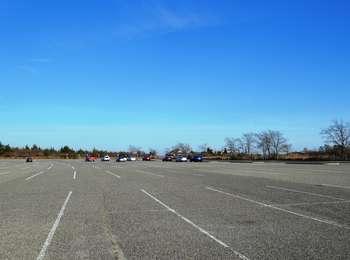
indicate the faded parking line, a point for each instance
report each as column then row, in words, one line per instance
column 37, row 174
column 241, row 256
column 304, row 192
column 312, row 203
column 111, row 173
column 336, row 186
column 280, row 209
column 149, row 173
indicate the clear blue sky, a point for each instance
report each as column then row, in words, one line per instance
column 154, row 73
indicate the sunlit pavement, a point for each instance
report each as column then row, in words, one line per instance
column 70, row 209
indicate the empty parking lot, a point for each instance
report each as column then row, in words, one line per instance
column 70, row 209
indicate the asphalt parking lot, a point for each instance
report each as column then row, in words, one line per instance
column 70, row 209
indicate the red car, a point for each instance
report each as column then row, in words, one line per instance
column 146, row 158
column 89, row 158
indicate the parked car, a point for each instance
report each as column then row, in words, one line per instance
column 122, row 158
column 146, row 158
column 90, row 158
column 106, row 158
column 197, row 158
column 167, row 158
column 181, row 158
column 29, row 159
column 131, row 158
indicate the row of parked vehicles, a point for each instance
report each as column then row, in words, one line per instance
column 107, row 158
column 166, row 158
column 183, row 158
column 120, row 158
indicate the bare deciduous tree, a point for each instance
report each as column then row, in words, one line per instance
column 264, row 143
column 203, row 148
column 338, row 135
column 248, row 142
column 272, row 144
column 278, row 142
column 153, row 152
column 182, row 148
column 136, row 150
column 233, row 145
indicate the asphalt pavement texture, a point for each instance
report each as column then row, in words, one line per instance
column 71, row 209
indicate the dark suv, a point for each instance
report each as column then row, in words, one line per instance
column 29, row 159
column 196, row 158
column 167, row 158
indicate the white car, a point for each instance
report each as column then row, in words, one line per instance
column 122, row 159
column 106, row 158
column 131, row 158
column 181, row 158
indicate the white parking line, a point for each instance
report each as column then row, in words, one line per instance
column 304, row 192
column 111, row 173
column 50, row 167
column 150, row 173
column 197, row 174
column 53, row 229
column 333, row 163
column 74, row 175
column 281, row 209
column 336, row 186
column 241, row 256
column 4, row 173
column 312, row 203
column 37, row 174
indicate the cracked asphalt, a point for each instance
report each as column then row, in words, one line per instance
column 168, row 210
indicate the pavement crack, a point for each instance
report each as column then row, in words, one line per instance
column 116, row 250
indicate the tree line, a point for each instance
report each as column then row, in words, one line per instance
column 265, row 145
column 66, row 152
column 270, row 144
column 273, row 145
